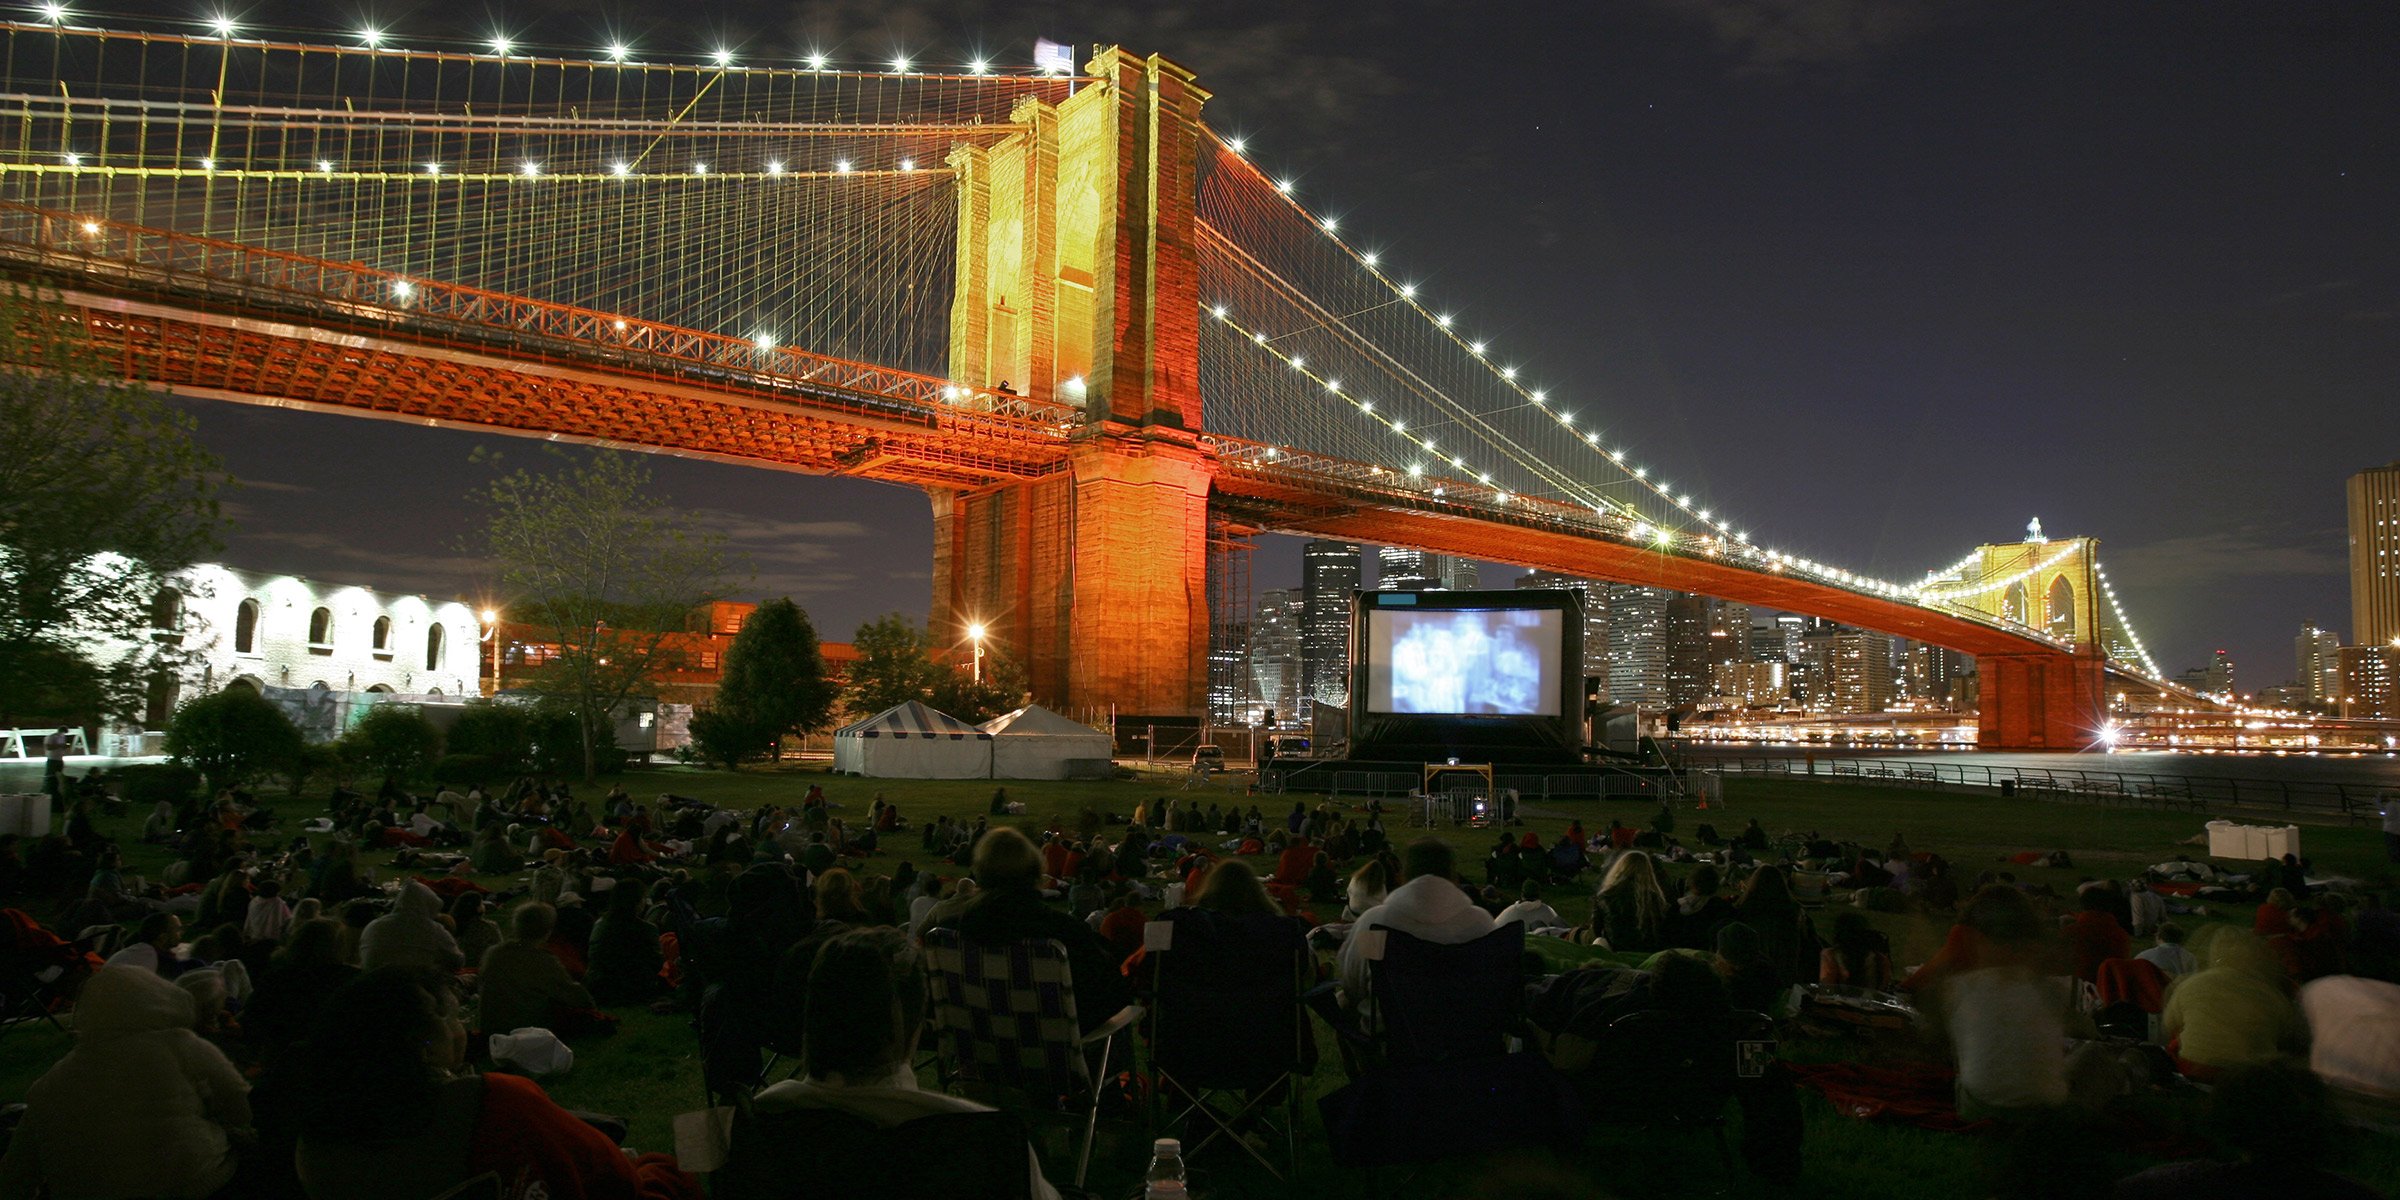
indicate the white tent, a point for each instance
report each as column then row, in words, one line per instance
column 911, row 741
column 1035, row 743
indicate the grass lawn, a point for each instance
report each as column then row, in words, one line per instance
column 649, row 1072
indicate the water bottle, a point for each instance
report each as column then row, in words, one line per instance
column 1166, row 1171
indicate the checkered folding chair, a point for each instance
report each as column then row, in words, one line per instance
column 1229, row 1040
column 1005, row 1030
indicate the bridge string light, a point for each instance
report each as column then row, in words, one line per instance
column 1720, row 527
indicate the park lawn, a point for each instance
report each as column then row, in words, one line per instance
column 650, row 1070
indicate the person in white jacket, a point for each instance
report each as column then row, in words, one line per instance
column 1428, row 905
column 411, row 935
column 142, row 1106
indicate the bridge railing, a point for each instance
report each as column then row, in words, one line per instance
column 101, row 248
column 2345, row 801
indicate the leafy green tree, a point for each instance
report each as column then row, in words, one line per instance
column 104, row 494
column 774, row 681
column 233, row 737
column 728, row 738
column 395, row 739
column 499, row 734
column 606, row 572
column 1002, row 690
column 895, row 665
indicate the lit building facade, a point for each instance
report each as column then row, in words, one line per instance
column 2370, row 682
column 2317, row 664
column 2374, row 496
column 1275, row 641
column 1637, row 644
column 1330, row 572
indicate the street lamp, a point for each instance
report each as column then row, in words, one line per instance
column 491, row 633
column 975, row 632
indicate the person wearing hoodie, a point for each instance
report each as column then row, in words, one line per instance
column 142, row 1106
column 1429, row 905
column 411, row 935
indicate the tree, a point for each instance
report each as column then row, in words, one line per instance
column 501, row 735
column 774, row 681
column 895, row 665
column 1002, row 689
column 233, row 736
column 726, row 737
column 395, row 739
column 104, row 494
column 606, row 572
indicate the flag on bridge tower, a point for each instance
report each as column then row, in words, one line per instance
column 1053, row 58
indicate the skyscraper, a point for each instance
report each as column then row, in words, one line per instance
column 1859, row 670
column 1329, row 573
column 1595, row 620
column 1637, row 644
column 1399, row 570
column 2317, row 664
column 1275, row 654
column 1688, row 664
column 2375, row 556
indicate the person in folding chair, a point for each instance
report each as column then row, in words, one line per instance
column 866, row 1010
column 1008, row 908
column 1229, row 1041
column 1428, row 904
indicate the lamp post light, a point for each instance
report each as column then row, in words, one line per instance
column 491, row 633
column 975, row 634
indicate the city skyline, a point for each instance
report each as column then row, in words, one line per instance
column 1841, row 263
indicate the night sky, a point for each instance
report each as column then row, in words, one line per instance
column 1883, row 279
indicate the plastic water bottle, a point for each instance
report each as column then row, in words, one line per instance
column 1166, row 1171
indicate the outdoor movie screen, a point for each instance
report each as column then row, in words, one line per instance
column 1464, row 662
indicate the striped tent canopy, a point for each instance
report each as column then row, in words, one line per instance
column 912, row 720
column 911, row 741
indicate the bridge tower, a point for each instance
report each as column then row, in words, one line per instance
column 1078, row 280
column 2044, row 701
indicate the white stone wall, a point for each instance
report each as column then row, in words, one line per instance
column 282, row 654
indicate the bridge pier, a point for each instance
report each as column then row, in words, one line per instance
column 2042, row 701
column 1095, row 580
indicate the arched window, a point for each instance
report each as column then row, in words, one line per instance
column 2062, row 608
column 2013, row 605
column 320, row 631
column 245, row 628
column 434, row 648
column 383, row 637
column 166, row 611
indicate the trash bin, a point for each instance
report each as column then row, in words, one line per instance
column 2008, row 787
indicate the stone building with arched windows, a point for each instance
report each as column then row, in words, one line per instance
column 287, row 634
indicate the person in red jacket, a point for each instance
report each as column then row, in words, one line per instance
column 385, row 1112
column 2094, row 937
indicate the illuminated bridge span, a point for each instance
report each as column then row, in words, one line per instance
column 1096, row 334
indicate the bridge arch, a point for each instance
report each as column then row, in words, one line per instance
column 2059, row 618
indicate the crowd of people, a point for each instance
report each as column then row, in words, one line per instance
column 275, row 1018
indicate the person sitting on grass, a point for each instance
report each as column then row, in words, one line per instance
column 411, row 935
column 141, row 1107
column 622, row 960
column 1859, row 957
column 2170, row 956
column 1529, row 910
column 1630, row 910
column 1368, row 887
column 387, row 1110
column 1121, row 925
column 865, row 1012
column 2235, row 1011
column 2093, row 935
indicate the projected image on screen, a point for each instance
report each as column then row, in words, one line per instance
column 1468, row 662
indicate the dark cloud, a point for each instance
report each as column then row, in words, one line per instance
column 2205, row 559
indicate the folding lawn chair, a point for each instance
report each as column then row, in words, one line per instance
column 1229, row 1040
